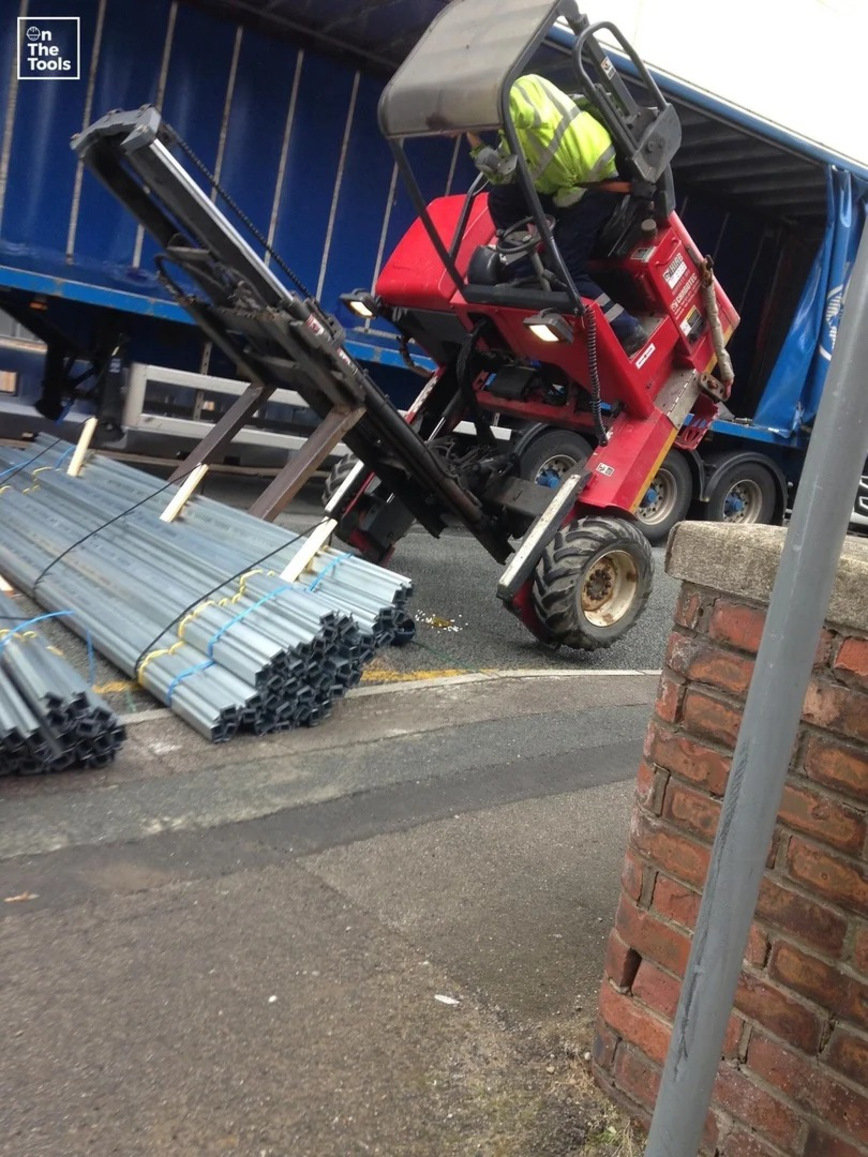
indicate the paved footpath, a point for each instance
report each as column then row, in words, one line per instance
column 243, row 949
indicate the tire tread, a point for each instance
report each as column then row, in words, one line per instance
column 565, row 560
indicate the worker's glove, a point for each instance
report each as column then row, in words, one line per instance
column 564, row 198
column 494, row 165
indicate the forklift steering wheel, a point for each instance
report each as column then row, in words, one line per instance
column 521, row 239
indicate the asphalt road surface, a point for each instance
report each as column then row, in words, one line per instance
column 461, row 625
column 384, row 935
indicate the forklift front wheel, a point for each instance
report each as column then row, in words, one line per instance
column 593, row 583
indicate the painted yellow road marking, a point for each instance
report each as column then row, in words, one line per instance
column 372, row 675
column 116, row 688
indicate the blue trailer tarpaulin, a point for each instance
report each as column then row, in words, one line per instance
column 796, row 383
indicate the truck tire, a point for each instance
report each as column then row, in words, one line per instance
column 667, row 499
column 337, row 477
column 593, row 582
column 550, row 457
column 744, row 493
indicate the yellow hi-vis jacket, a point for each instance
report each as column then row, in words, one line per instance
column 564, row 146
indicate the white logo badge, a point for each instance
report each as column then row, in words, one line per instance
column 49, row 47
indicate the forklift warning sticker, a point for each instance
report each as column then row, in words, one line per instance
column 640, row 362
column 675, row 272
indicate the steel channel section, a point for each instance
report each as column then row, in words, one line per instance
column 50, row 720
column 246, row 664
column 356, row 590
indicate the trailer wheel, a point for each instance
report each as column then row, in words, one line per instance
column 667, row 498
column 593, row 582
column 337, row 477
column 743, row 493
column 550, row 457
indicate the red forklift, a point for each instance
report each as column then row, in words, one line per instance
column 578, row 570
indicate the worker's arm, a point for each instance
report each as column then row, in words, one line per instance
column 497, row 164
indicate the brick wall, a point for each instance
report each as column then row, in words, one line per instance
column 793, row 1077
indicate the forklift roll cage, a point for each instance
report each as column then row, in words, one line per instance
column 506, row 34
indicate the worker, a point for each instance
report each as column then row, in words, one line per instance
column 566, row 148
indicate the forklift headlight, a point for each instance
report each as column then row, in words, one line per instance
column 549, row 326
column 362, row 303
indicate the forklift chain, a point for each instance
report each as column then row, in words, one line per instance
column 176, row 139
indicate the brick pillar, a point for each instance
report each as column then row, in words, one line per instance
column 793, row 1077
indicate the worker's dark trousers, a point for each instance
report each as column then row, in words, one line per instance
column 576, row 230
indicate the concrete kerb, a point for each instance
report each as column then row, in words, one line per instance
column 151, row 715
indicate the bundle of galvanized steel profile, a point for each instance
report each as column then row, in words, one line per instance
column 50, row 720
column 196, row 609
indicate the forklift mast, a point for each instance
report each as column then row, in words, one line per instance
column 276, row 337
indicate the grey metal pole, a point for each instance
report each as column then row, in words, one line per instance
column 798, row 604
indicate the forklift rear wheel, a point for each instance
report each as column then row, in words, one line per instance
column 550, row 457
column 593, row 582
column 667, row 498
column 337, row 477
column 743, row 494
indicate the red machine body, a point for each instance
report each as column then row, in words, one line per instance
column 659, row 281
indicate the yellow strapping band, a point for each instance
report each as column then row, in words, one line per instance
column 194, row 614
column 156, row 655
column 33, row 473
column 20, row 634
column 188, row 618
column 242, row 583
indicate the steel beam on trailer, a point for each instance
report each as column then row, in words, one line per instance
column 760, row 185
column 797, row 608
column 302, row 465
column 702, row 153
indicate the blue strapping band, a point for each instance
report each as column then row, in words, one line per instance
column 209, row 650
column 22, row 466
column 32, row 623
column 185, row 675
column 91, row 658
column 35, row 458
column 328, row 570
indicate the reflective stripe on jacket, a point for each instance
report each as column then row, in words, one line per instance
column 564, row 146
